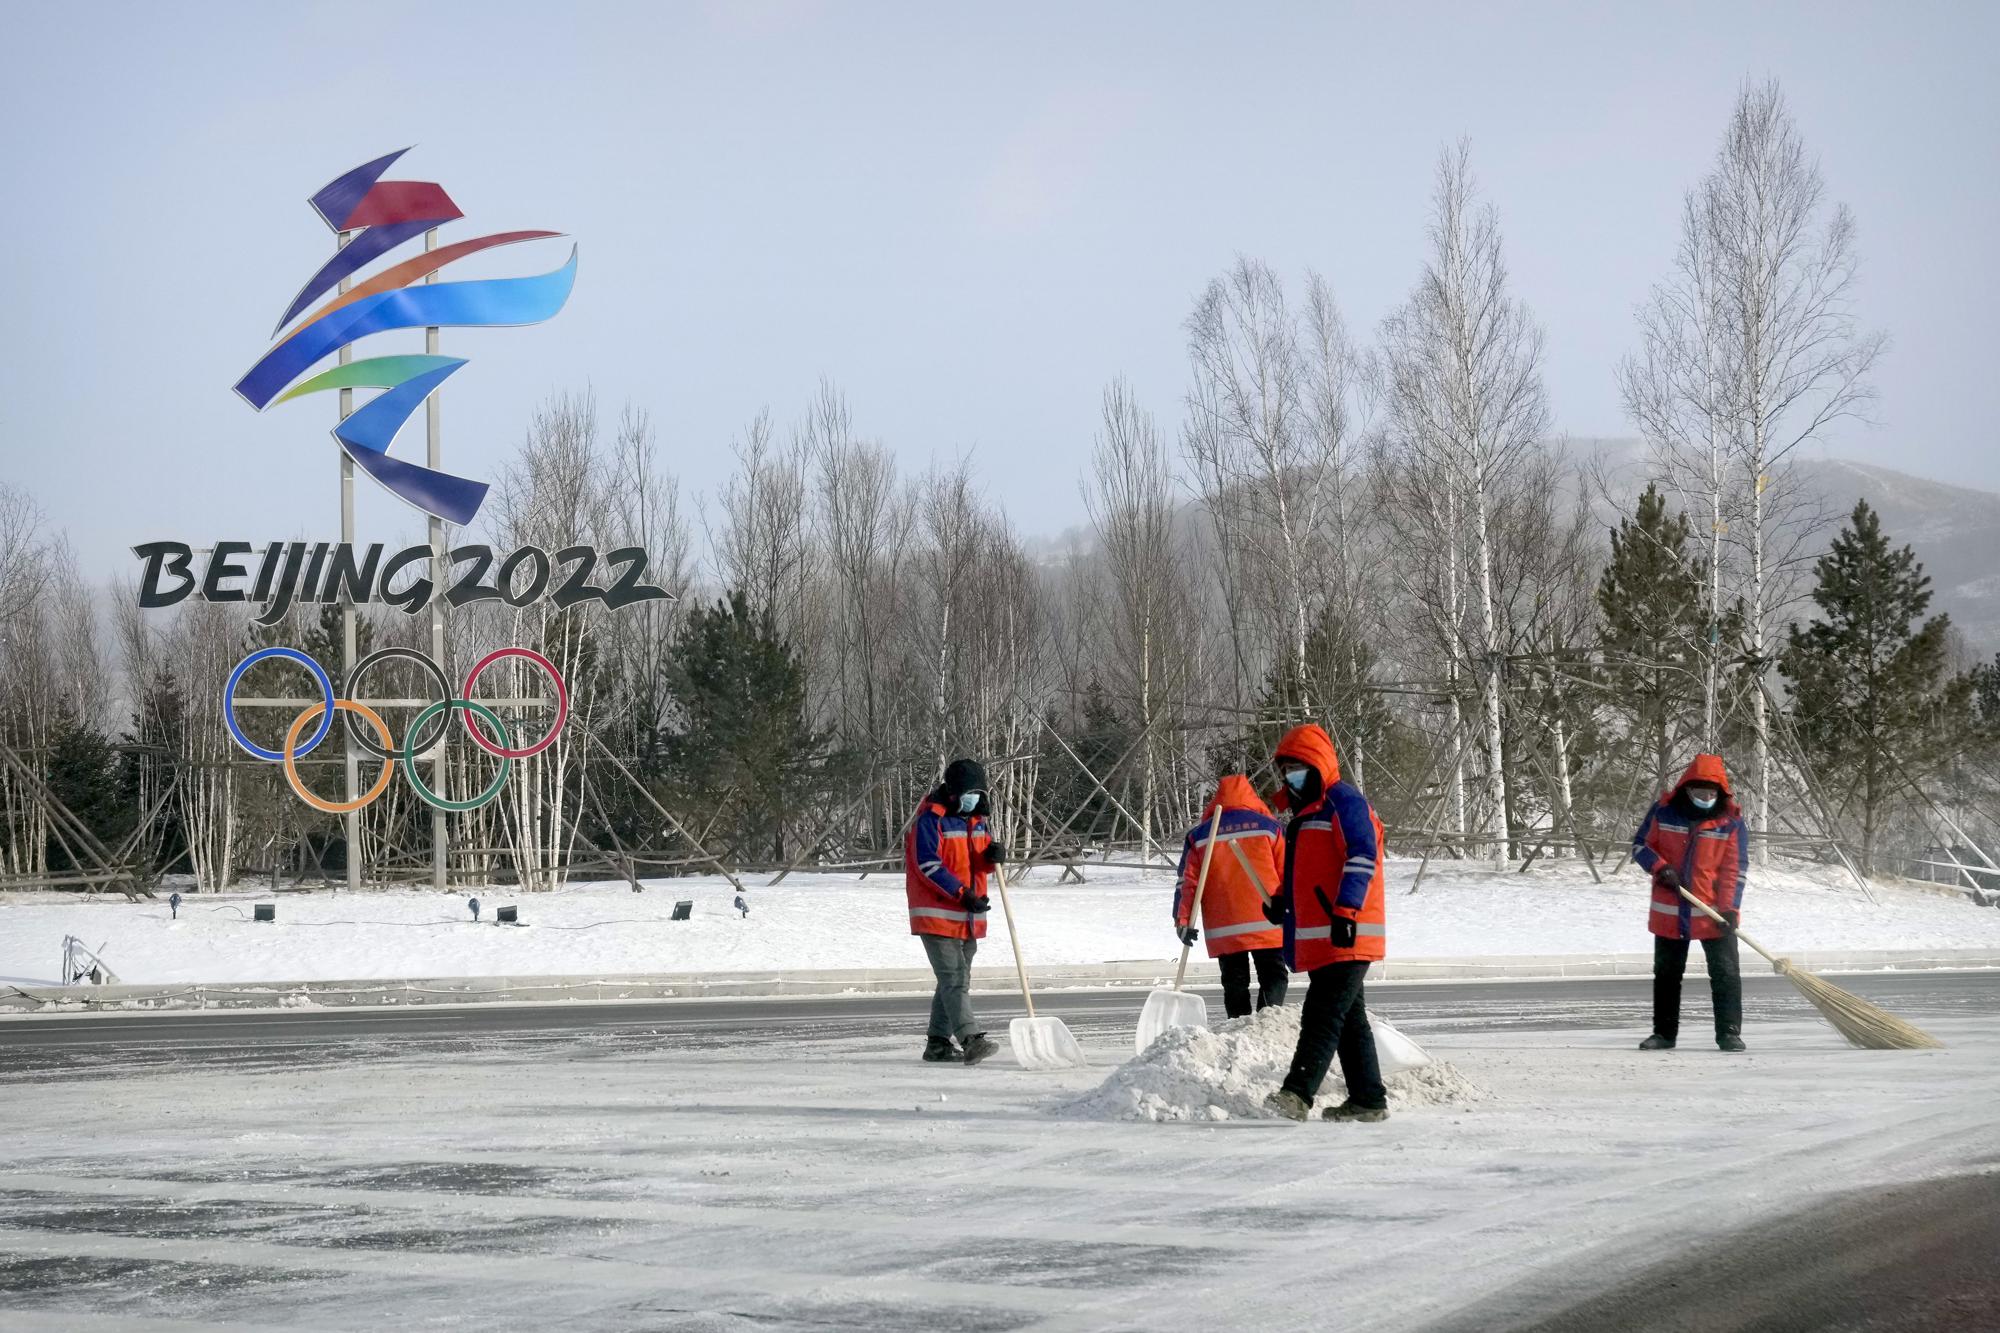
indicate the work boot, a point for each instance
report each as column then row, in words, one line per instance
column 1657, row 1043
column 1288, row 1104
column 1351, row 1110
column 978, row 1047
column 1729, row 1041
column 939, row 1050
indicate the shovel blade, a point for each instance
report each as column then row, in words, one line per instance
column 1044, row 1043
column 1394, row 1052
column 1168, row 1009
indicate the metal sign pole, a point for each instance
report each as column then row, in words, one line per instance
column 352, row 820
column 435, row 447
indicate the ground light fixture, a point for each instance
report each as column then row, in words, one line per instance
column 506, row 916
column 473, row 903
column 264, row 912
column 683, row 910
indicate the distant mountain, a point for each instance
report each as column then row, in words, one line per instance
column 1955, row 529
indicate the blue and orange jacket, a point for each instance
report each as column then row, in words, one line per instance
column 1232, row 902
column 1333, row 863
column 944, row 864
column 1711, row 854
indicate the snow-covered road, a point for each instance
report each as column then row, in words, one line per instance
column 618, row 1180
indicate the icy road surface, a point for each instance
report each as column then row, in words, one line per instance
column 810, row 1173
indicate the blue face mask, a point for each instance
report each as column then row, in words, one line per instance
column 969, row 801
column 1296, row 778
column 1702, row 802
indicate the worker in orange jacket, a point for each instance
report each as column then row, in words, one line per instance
column 947, row 854
column 1335, row 917
column 1694, row 838
column 1243, row 869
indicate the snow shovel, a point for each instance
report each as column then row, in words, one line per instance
column 1039, row 1043
column 1177, row 1008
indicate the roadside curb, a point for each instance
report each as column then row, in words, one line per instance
column 182, row 996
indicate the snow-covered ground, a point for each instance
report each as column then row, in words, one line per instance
column 821, row 1178
column 840, row 921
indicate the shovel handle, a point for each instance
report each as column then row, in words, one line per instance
column 1250, row 872
column 1200, row 885
column 1722, row 921
column 1020, row 968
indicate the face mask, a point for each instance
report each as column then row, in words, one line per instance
column 1296, row 778
column 968, row 801
column 1702, row 802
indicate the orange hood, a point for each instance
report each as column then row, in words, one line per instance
column 1707, row 768
column 1234, row 792
column 1309, row 744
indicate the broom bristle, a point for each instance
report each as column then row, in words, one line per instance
column 1863, row 1024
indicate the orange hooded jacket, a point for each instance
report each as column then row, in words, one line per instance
column 1710, row 851
column 1243, row 871
column 1333, row 864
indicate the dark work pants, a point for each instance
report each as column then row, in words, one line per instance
column 1725, row 985
column 1335, row 1019
column 1272, row 979
column 951, row 1006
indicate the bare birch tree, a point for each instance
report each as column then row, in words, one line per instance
column 1243, row 341
column 1787, row 269
column 1129, row 493
column 1749, row 351
column 1465, row 393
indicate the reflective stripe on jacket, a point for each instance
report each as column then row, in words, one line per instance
column 1232, row 903
column 944, row 863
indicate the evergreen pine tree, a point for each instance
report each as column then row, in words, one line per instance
column 1986, row 700
column 1871, row 700
column 1653, row 595
column 83, row 774
column 1100, row 735
column 747, row 757
column 159, row 730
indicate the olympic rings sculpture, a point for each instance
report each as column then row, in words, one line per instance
column 381, row 745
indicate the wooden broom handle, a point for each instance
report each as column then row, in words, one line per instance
column 1717, row 917
column 1250, row 871
column 1200, row 885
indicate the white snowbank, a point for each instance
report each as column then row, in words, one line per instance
column 1226, row 1072
column 842, row 921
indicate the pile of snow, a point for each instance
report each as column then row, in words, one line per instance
column 1226, row 1072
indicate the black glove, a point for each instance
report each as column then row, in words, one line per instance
column 1669, row 877
column 996, row 854
column 1188, row 935
column 1340, row 932
column 977, row 902
column 1730, row 917
column 1274, row 908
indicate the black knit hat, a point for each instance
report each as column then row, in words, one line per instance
column 964, row 775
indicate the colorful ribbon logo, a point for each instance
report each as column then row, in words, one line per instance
column 383, row 215
column 381, row 744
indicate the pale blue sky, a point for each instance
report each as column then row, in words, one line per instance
column 968, row 217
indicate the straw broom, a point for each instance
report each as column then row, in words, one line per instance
column 1863, row 1024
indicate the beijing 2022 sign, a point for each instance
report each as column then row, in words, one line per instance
column 376, row 217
